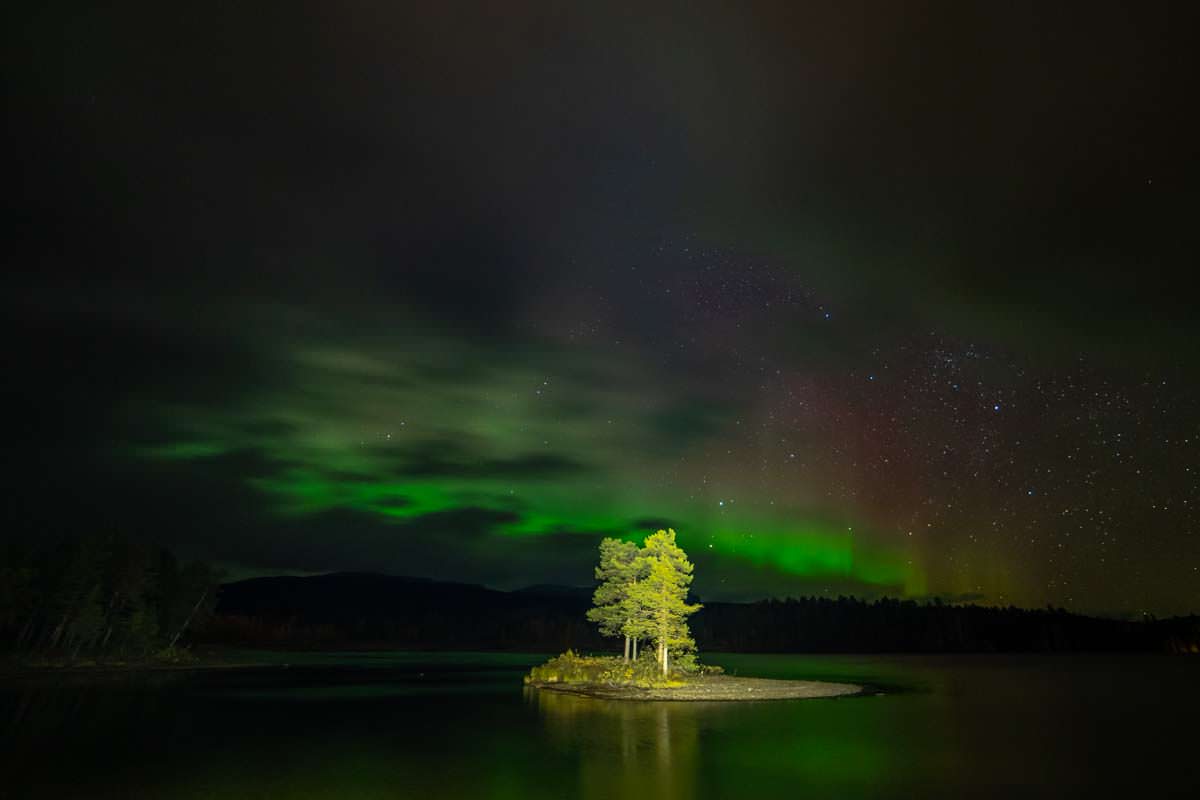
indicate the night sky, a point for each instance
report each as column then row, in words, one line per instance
column 873, row 299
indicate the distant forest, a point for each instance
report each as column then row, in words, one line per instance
column 350, row 610
column 99, row 596
column 109, row 597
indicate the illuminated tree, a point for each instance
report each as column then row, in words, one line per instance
column 617, row 572
column 659, row 598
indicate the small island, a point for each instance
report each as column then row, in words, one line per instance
column 642, row 597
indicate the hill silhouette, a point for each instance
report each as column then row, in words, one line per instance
column 365, row 610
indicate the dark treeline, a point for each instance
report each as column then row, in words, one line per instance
column 99, row 596
column 356, row 610
column 365, row 610
column 846, row 624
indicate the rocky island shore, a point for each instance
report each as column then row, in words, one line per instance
column 706, row 688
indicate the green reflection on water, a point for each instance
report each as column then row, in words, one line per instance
column 369, row 726
column 625, row 747
column 690, row 749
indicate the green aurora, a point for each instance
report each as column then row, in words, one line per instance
column 535, row 453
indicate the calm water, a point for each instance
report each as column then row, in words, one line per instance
column 401, row 725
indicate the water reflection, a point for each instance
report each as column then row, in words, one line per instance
column 626, row 746
column 55, row 706
column 786, row 748
column 971, row 727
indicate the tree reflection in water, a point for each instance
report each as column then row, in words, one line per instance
column 626, row 746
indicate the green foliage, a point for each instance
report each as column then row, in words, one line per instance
column 617, row 571
column 571, row 668
column 648, row 672
column 643, row 595
column 661, row 597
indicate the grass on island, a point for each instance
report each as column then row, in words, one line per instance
column 613, row 671
column 613, row 678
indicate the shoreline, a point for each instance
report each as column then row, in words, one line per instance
column 715, row 688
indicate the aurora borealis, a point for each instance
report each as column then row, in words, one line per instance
column 857, row 301
column 553, row 442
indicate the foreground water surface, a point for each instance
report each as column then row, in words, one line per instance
column 460, row 725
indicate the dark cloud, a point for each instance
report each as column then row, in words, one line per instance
column 689, row 420
column 392, row 502
column 429, row 463
column 268, row 428
column 461, row 544
column 467, row 523
column 286, row 287
column 651, row 524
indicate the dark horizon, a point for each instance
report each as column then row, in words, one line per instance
column 870, row 299
column 584, row 591
column 354, row 611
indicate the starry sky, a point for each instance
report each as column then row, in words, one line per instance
column 884, row 299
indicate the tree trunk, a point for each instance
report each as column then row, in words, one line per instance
column 189, row 618
column 666, row 661
column 626, row 649
column 27, row 631
column 60, row 630
column 635, row 641
column 110, row 616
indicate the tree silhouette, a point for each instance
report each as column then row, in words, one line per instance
column 99, row 594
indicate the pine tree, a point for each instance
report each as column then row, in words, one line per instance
column 617, row 572
column 659, row 597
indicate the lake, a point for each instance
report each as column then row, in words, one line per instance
column 460, row 725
